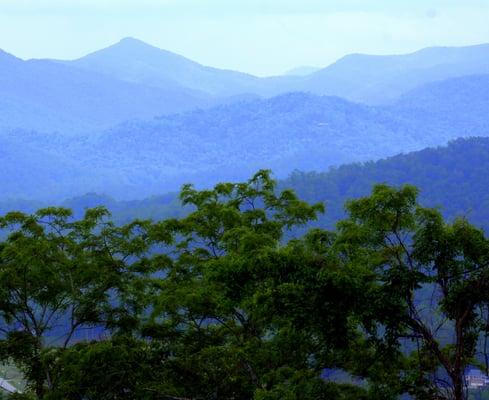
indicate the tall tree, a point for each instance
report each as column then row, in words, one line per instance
column 60, row 277
column 433, row 281
column 230, row 302
column 239, row 300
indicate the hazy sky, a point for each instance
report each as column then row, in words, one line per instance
column 261, row 37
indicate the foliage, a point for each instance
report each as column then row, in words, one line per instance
column 453, row 178
column 433, row 283
column 229, row 302
column 61, row 277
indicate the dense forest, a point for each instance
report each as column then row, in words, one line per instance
column 219, row 304
column 453, row 178
column 140, row 158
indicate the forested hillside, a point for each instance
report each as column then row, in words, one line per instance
column 454, row 178
column 294, row 131
column 106, row 122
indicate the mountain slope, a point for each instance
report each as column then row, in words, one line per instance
column 382, row 79
column 230, row 142
column 358, row 77
column 227, row 142
column 44, row 95
column 466, row 93
column 458, row 105
column 135, row 61
column 454, row 178
column 133, row 80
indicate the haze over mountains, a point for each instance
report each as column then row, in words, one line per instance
column 135, row 61
column 302, row 71
column 358, row 77
column 454, row 178
column 133, row 120
column 362, row 78
column 383, row 79
column 49, row 96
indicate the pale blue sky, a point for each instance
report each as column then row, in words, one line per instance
column 261, row 37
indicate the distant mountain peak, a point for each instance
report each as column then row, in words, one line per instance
column 130, row 41
column 131, row 48
column 135, row 61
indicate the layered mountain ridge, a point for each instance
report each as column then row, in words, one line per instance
column 230, row 142
column 133, row 120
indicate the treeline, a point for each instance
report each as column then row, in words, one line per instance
column 453, row 178
column 218, row 304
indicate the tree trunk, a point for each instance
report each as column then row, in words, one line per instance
column 40, row 389
column 458, row 386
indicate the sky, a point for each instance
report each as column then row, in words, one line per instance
column 262, row 37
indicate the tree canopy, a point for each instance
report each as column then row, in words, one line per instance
column 230, row 302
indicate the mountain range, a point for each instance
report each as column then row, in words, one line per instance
column 362, row 78
column 134, row 61
column 133, row 80
column 453, row 178
column 383, row 79
column 132, row 120
column 229, row 142
column 49, row 96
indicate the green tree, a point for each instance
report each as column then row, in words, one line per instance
column 60, row 277
column 230, row 302
column 432, row 282
column 249, row 313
